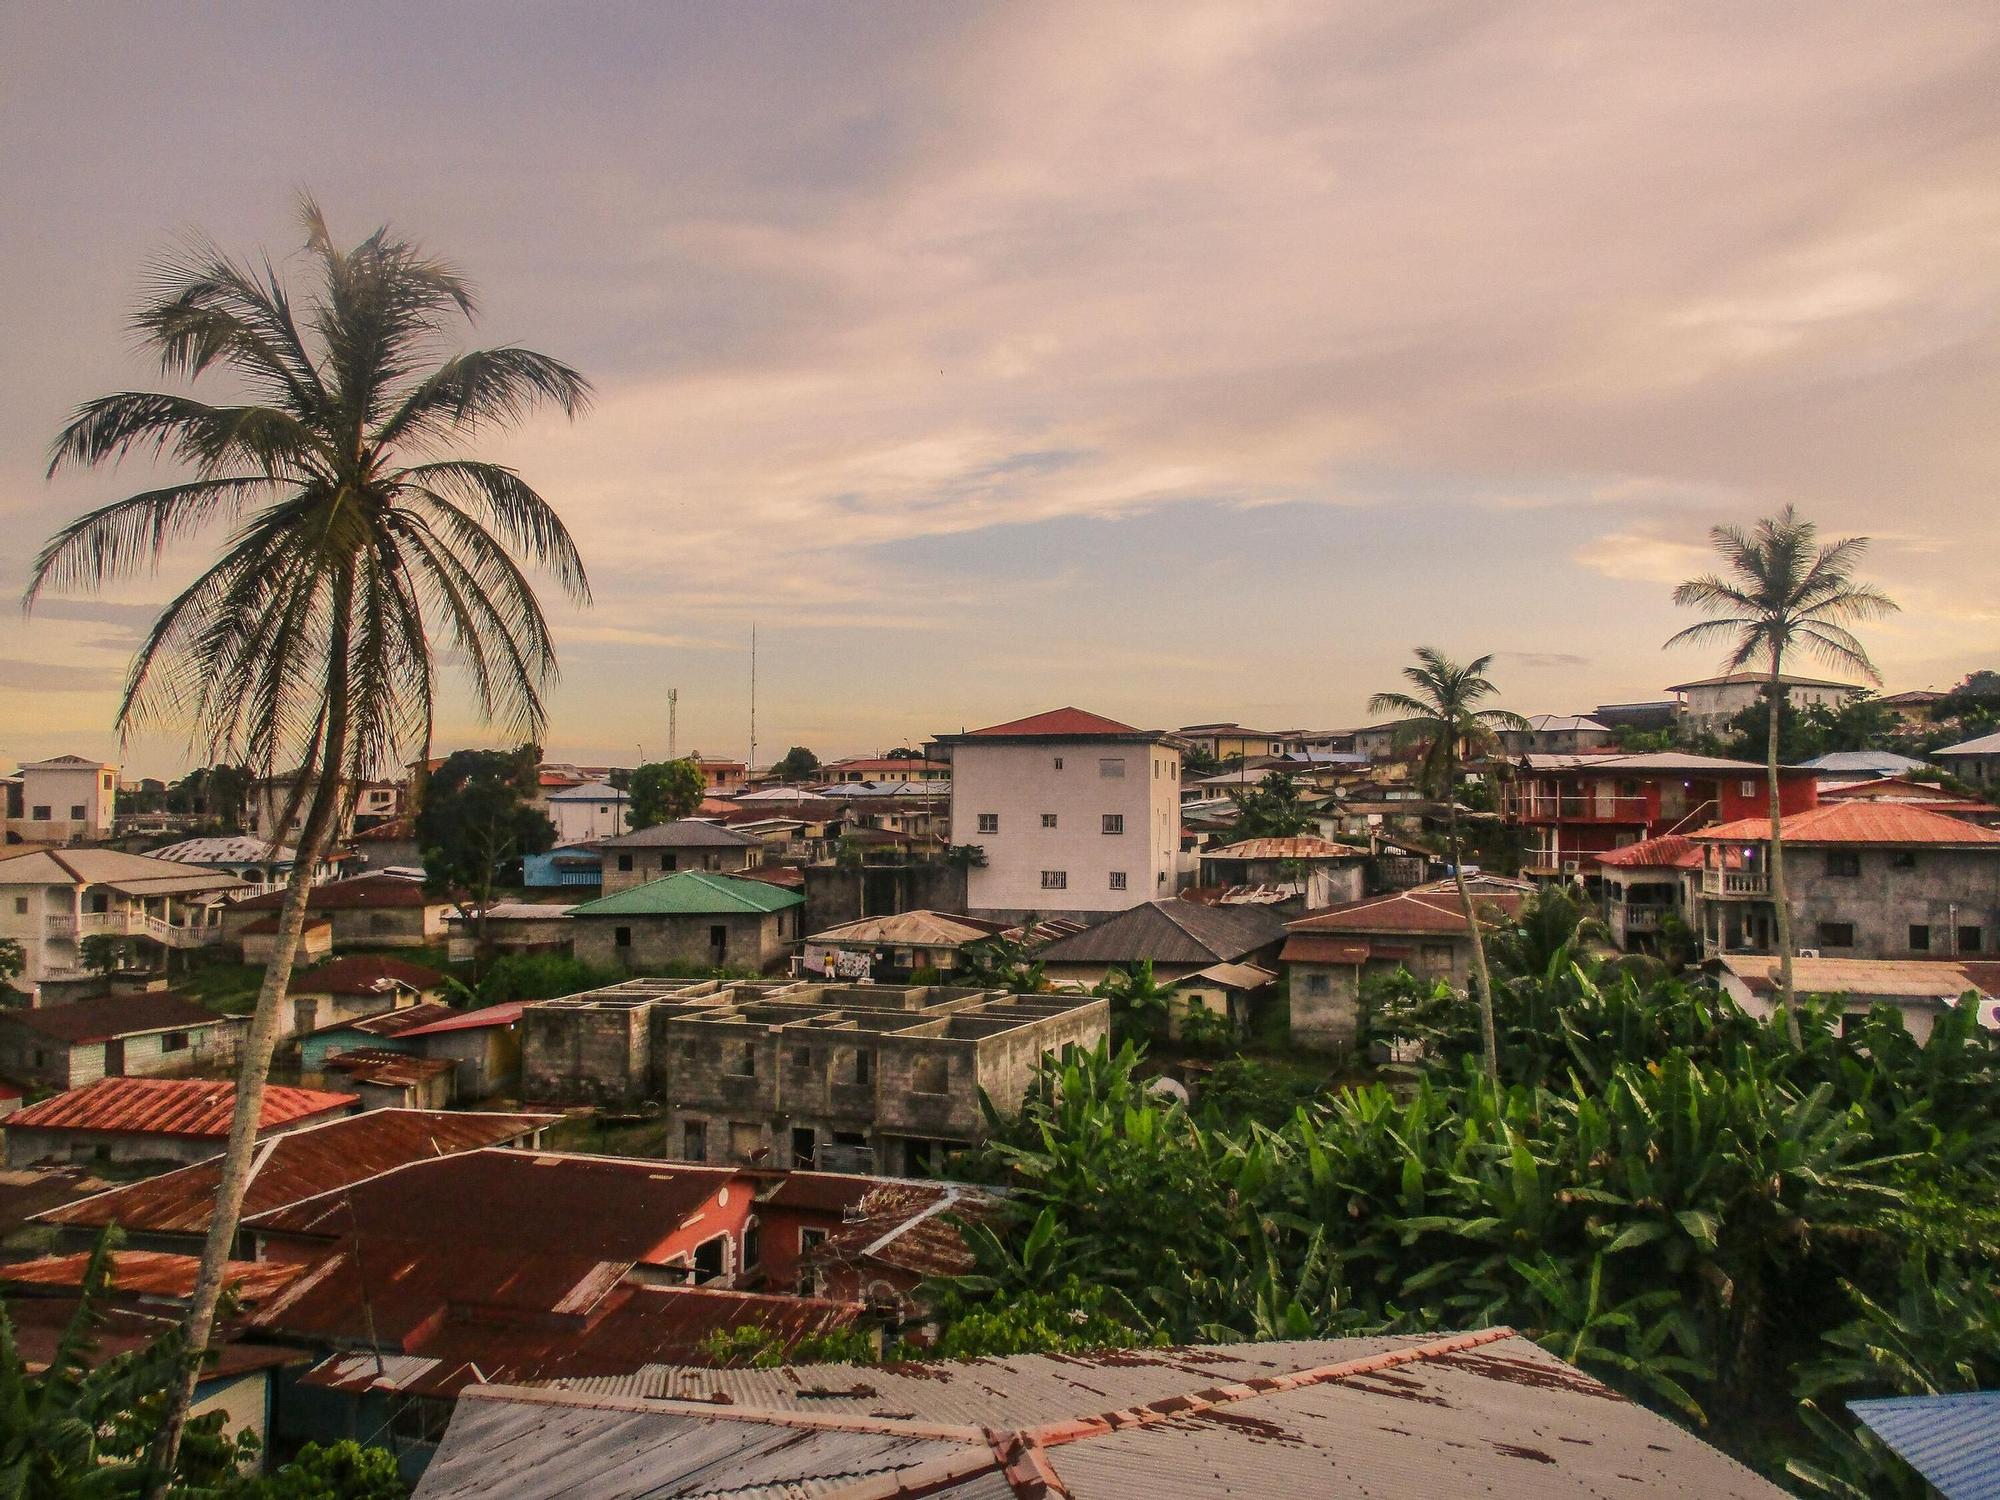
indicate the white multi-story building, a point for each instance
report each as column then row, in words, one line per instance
column 67, row 800
column 1075, row 813
column 52, row 900
column 1709, row 703
column 584, row 814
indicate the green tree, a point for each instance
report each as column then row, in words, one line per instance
column 334, row 1471
column 797, row 764
column 475, row 824
column 1442, row 714
column 663, row 790
column 355, row 534
column 1784, row 593
column 1271, row 809
column 1139, row 1003
column 103, row 953
column 81, row 1427
column 12, row 961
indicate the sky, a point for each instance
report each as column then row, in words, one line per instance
column 1183, row 362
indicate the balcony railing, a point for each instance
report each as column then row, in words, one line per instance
column 1531, row 808
column 1642, row 918
column 133, row 924
column 1735, row 883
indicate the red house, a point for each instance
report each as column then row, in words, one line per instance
column 1573, row 808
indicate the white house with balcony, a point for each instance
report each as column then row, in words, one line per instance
column 69, row 799
column 1074, row 814
column 52, row 900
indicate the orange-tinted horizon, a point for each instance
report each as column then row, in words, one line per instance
column 1182, row 362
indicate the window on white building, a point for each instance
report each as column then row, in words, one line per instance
column 1114, row 822
column 1048, row 820
column 1055, row 880
column 1058, row 762
column 989, row 822
column 1117, row 880
column 1112, row 767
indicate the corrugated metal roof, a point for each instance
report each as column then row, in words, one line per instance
column 117, row 1015
column 919, row 929
column 360, row 893
column 1487, row 1414
column 1425, row 909
column 691, row 893
column 154, row 1273
column 169, row 1106
column 1304, row 846
column 1170, row 931
column 1952, row 1440
column 472, row 1020
column 386, row 1069
column 511, row 1448
column 364, row 974
column 390, row 1023
column 297, row 1165
column 1859, row 821
column 1056, row 722
column 684, row 833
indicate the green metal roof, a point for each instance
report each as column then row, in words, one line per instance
column 691, row 893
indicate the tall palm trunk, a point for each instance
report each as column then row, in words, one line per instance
column 1486, row 1028
column 1780, row 897
column 254, row 1067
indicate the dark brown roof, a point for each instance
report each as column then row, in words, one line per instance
column 1170, row 931
column 530, row 1202
column 116, row 1015
column 358, row 893
column 298, row 1165
column 364, row 974
column 1425, row 909
column 687, row 833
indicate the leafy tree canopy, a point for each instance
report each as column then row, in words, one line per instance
column 1271, row 809
column 663, row 790
column 796, row 764
column 476, row 822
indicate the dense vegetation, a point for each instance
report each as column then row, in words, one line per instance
column 1719, row 1218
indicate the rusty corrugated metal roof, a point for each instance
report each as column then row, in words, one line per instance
column 196, row 1107
column 386, row 1069
column 154, row 1273
column 1486, row 1413
column 297, row 1165
column 1859, row 822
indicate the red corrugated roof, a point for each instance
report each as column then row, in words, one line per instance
column 1303, row 948
column 1668, row 851
column 386, row 1069
column 1862, row 822
column 196, row 1107
column 471, row 1020
column 116, row 1015
column 1411, row 911
column 1058, row 721
column 155, row 1273
column 297, row 1165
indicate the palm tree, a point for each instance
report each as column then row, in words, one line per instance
column 1783, row 591
column 1443, row 715
column 356, row 533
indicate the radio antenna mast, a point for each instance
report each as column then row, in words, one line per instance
column 673, row 723
column 753, row 696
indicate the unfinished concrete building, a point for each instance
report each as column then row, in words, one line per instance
column 850, row 1077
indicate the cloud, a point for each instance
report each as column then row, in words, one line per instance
column 48, row 677
column 872, row 296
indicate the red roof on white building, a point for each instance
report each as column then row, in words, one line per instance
column 1858, row 822
column 1061, row 722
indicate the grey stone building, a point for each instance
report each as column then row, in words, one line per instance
column 1866, row 879
column 668, row 848
column 690, row 919
column 854, row 1077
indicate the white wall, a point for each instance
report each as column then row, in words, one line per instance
column 1019, row 783
column 579, row 822
column 61, row 789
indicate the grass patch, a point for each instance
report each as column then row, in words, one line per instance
column 229, row 989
